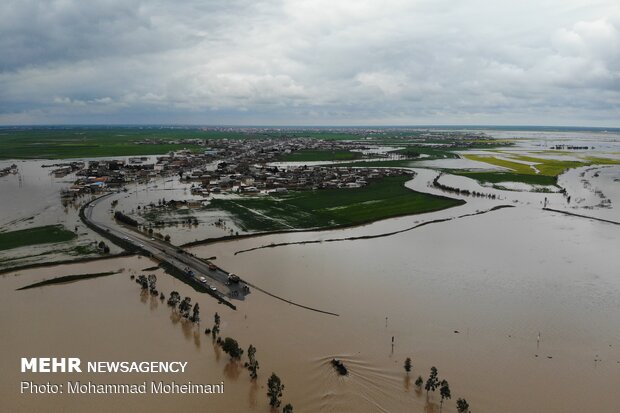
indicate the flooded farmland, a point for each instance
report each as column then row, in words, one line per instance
column 516, row 307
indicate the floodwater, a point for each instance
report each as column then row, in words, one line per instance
column 517, row 308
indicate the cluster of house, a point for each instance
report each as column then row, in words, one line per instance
column 231, row 163
column 64, row 169
column 253, row 178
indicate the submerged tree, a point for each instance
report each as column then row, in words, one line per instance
column 419, row 382
column 174, row 299
column 231, row 347
column 251, row 353
column 407, row 365
column 254, row 369
column 252, row 365
column 216, row 326
column 142, row 280
column 462, row 406
column 432, row 382
column 152, row 282
column 444, row 391
column 195, row 313
column 185, row 306
column 274, row 390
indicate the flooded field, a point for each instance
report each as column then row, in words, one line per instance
column 516, row 307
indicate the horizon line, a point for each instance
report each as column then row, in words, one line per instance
column 292, row 126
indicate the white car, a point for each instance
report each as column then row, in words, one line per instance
column 213, row 288
column 203, row 280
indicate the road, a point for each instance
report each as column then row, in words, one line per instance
column 201, row 274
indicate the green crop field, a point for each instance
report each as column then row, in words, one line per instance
column 100, row 141
column 381, row 199
column 496, row 177
column 75, row 142
column 34, row 236
column 320, row 155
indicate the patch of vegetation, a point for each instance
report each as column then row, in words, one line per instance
column 34, row 236
column 84, row 250
column 309, row 155
column 517, row 167
column 396, row 163
column 413, row 152
column 548, row 167
column 67, row 279
column 495, row 177
column 381, row 199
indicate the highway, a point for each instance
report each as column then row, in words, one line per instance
column 197, row 271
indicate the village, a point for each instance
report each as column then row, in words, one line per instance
column 225, row 166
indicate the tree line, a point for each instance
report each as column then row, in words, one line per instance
column 433, row 383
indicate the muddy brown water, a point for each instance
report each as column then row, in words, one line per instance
column 470, row 296
column 498, row 279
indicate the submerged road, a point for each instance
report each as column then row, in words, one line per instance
column 197, row 271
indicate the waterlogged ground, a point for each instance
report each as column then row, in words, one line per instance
column 517, row 308
column 32, row 199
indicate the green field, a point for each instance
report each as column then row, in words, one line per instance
column 101, row 141
column 74, row 142
column 309, row 155
column 34, row 236
column 63, row 142
column 496, row 177
column 381, row 199
column 549, row 169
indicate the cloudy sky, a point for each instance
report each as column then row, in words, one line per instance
column 310, row 62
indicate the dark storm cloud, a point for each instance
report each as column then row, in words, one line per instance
column 309, row 62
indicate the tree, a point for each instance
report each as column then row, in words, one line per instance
column 419, row 382
column 407, row 364
column 143, row 281
column 195, row 313
column 185, row 306
column 152, row 282
column 254, row 369
column 462, row 406
column 251, row 353
column 216, row 326
column 274, row 390
column 167, row 238
column 288, row 408
column 174, row 299
column 433, row 382
column 253, row 364
column 444, row 391
column 231, row 347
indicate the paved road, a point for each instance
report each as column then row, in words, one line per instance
column 214, row 279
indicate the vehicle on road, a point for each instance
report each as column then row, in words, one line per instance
column 233, row 278
column 203, row 279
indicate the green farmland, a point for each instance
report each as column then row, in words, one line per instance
column 320, row 155
column 34, row 236
column 381, row 199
